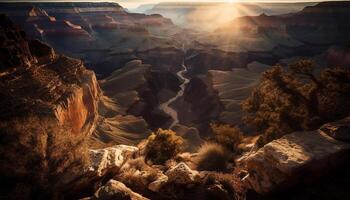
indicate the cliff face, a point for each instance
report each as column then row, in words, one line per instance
column 100, row 34
column 48, row 107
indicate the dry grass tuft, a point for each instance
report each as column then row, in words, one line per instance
column 137, row 175
column 212, row 157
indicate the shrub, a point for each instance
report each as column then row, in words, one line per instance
column 226, row 182
column 212, row 157
column 295, row 99
column 229, row 137
column 136, row 174
column 162, row 145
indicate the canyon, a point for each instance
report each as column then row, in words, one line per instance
column 83, row 85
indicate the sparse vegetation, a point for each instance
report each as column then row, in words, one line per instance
column 297, row 99
column 212, row 157
column 162, row 146
column 136, row 174
column 229, row 137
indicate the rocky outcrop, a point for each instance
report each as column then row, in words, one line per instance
column 159, row 183
column 115, row 190
column 181, row 174
column 104, row 35
column 48, row 108
column 200, row 104
column 339, row 130
column 109, row 159
column 295, row 158
column 104, row 164
column 14, row 48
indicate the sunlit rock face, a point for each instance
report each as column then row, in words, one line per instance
column 298, row 158
column 48, row 108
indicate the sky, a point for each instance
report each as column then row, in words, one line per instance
column 135, row 3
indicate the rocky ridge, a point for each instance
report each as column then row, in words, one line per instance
column 100, row 34
column 54, row 97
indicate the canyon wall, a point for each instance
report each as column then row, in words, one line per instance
column 48, row 109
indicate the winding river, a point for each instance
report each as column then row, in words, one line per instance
column 166, row 106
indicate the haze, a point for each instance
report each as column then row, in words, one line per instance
column 136, row 3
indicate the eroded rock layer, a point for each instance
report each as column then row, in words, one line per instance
column 48, row 108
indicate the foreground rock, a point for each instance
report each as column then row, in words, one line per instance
column 109, row 159
column 104, row 165
column 339, row 130
column 181, row 174
column 159, row 183
column 115, row 190
column 294, row 158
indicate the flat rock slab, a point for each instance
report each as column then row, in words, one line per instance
column 300, row 155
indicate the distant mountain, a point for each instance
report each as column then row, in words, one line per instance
column 324, row 23
column 207, row 16
column 142, row 8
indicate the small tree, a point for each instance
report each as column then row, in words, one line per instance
column 229, row 137
column 162, row 145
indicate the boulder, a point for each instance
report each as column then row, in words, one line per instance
column 115, row 190
column 109, row 159
column 181, row 174
column 339, row 130
column 104, row 164
column 159, row 183
column 300, row 156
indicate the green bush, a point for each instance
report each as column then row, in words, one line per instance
column 212, row 157
column 229, row 137
column 162, row 146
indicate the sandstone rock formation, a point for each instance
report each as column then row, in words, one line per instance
column 109, row 159
column 115, row 190
column 157, row 184
column 48, row 107
column 181, row 174
column 104, row 35
column 293, row 159
column 339, row 130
